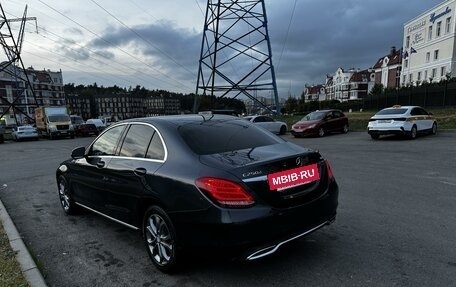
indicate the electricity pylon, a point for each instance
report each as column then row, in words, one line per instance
column 236, row 54
column 14, row 66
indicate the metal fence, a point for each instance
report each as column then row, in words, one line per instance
column 437, row 95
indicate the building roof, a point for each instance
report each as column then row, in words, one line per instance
column 393, row 58
column 361, row 76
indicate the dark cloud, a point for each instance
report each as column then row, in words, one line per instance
column 322, row 36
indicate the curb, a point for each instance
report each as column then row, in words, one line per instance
column 28, row 266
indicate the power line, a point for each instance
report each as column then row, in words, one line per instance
column 288, row 30
column 96, row 53
column 141, row 37
column 108, row 42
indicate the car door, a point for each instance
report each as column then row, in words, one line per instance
column 90, row 172
column 426, row 119
column 140, row 155
column 330, row 121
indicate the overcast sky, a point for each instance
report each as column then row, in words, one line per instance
column 157, row 43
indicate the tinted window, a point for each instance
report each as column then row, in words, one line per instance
column 106, row 144
column 392, row 112
column 418, row 111
column 337, row 114
column 314, row 116
column 156, row 149
column 222, row 136
column 136, row 141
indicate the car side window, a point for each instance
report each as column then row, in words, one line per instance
column 106, row 144
column 268, row 119
column 258, row 120
column 422, row 112
column 414, row 112
column 156, row 149
column 136, row 141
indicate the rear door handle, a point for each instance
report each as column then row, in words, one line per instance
column 100, row 164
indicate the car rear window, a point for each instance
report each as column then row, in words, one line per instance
column 219, row 136
column 392, row 112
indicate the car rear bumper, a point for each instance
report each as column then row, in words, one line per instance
column 256, row 230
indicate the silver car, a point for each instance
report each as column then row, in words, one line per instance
column 402, row 120
column 268, row 123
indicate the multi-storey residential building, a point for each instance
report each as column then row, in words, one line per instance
column 388, row 69
column 361, row 83
column 121, row 106
column 429, row 45
column 47, row 88
column 315, row 93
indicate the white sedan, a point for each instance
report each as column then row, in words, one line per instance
column 24, row 132
column 402, row 120
column 268, row 123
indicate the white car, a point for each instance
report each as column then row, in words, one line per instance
column 268, row 123
column 402, row 120
column 24, row 132
column 98, row 123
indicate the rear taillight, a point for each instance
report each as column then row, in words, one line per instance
column 329, row 170
column 225, row 193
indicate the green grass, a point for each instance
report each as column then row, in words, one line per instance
column 446, row 119
column 10, row 271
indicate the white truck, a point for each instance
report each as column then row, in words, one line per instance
column 53, row 122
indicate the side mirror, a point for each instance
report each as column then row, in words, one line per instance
column 78, row 152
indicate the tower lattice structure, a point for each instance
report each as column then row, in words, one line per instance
column 17, row 101
column 236, row 56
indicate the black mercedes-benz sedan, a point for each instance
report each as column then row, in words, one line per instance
column 200, row 181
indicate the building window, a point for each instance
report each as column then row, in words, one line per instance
column 428, row 57
column 436, row 55
column 434, row 73
column 407, row 42
column 430, row 33
column 419, row 76
column 406, row 63
column 404, row 78
column 437, row 30
column 442, row 71
column 411, row 78
column 425, row 75
column 447, row 25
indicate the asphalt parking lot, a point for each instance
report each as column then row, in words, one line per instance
column 395, row 227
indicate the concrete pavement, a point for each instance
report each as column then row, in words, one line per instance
column 28, row 266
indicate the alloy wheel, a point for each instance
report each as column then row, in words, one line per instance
column 159, row 240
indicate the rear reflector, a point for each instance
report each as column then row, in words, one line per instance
column 225, row 193
column 330, row 173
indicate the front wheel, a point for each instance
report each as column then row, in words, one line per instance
column 160, row 239
column 345, row 129
column 65, row 196
column 434, row 128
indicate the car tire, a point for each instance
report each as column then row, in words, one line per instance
column 434, row 129
column 321, row 132
column 283, row 130
column 413, row 132
column 375, row 136
column 345, row 129
column 67, row 203
column 160, row 239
